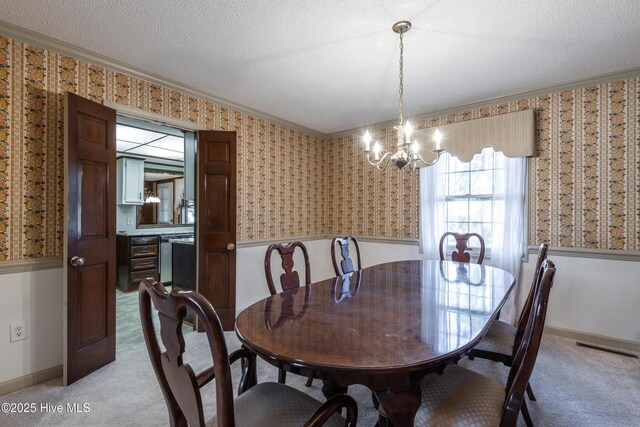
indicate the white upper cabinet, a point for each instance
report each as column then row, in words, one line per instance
column 130, row 181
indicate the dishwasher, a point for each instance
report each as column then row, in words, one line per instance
column 165, row 255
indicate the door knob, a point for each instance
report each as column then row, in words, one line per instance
column 230, row 246
column 76, row 261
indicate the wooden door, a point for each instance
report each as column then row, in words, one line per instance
column 216, row 222
column 90, row 237
column 165, row 207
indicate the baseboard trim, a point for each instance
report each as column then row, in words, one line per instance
column 30, row 264
column 617, row 343
column 30, row 380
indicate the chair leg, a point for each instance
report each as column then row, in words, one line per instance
column 525, row 414
column 530, row 393
column 282, row 376
column 309, row 380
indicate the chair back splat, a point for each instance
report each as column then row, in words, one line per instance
column 346, row 264
column 290, row 279
column 462, row 240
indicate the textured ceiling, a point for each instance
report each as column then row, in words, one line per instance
column 332, row 65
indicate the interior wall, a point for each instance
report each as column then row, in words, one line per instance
column 273, row 201
column 583, row 184
column 582, row 187
column 591, row 296
column 36, row 298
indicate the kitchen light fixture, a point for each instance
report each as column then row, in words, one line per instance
column 407, row 150
column 151, row 198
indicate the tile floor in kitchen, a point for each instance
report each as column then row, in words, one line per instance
column 128, row 326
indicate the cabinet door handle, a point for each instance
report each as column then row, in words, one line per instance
column 230, row 246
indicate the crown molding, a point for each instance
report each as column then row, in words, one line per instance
column 574, row 84
column 50, row 43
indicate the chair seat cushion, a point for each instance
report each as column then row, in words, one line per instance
column 499, row 338
column 460, row 397
column 274, row 404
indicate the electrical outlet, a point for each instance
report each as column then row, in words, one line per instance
column 129, row 221
column 18, row 331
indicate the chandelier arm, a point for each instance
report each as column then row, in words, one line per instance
column 384, row 159
column 418, row 157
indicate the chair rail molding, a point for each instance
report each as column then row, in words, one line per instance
column 608, row 254
column 30, row 264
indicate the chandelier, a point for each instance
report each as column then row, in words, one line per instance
column 407, row 153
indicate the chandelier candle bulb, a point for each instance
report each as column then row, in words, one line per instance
column 437, row 137
column 376, row 150
column 408, row 130
column 415, row 147
column 367, row 142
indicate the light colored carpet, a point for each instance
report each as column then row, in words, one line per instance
column 575, row 387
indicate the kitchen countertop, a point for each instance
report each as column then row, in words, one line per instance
column 184, row 241
column 156, row 231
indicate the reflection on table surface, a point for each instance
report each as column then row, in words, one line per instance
column 393, row 314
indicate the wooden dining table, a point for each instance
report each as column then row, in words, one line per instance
column 384, row 327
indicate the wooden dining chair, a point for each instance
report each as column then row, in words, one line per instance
column 463, row 397
column 461, row 253
column 289, row 279
column 266, row 404
column 346, row 264
column 503, row 339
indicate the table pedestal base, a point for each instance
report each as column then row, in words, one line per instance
column 329, row 390
column 399, row 408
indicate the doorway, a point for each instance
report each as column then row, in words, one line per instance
column 93, row 235
column 152, row 225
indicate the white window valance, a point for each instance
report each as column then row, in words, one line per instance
column 514, row 134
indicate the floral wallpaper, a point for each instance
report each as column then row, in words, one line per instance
column 583, row 185
column 273, row 200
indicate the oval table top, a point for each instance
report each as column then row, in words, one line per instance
column 406, row 315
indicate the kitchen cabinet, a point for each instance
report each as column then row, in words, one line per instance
column 137, row 258
column 130, row 181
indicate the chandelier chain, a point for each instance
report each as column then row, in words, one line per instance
column 401, row 90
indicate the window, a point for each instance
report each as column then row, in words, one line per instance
column 471, row 196
column 486, row 196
